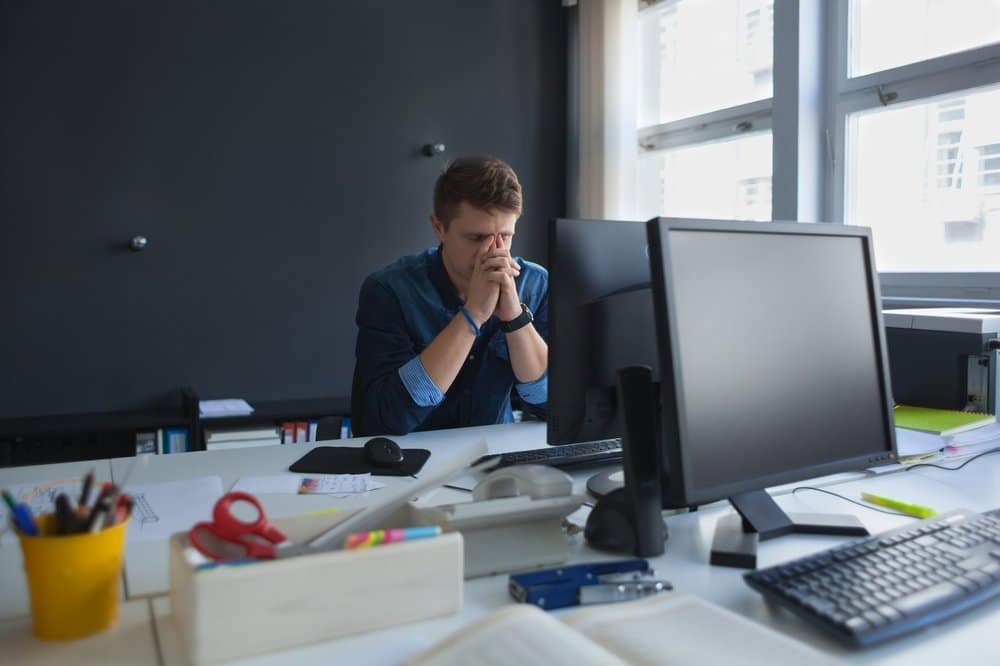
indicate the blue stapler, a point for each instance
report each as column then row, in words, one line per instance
column 603, row 582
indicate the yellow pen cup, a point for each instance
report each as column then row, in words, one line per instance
column 73, row 579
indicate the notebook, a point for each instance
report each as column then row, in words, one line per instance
column 671, row 628
column 943, row 422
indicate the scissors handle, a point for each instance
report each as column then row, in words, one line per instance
column 232, row 527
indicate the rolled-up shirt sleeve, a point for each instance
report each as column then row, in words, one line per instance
column 419, row 384
column 536, row 392
column 396, row 395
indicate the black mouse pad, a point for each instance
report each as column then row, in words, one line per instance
column 348, row 460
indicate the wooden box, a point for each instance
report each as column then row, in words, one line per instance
column 236, row 611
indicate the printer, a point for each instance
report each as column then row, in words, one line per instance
column 945, row 357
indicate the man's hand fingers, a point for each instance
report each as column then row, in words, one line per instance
column 499, row 263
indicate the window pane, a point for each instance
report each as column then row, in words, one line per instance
column 928, row 184
column 890, row 33
column 729, row 180
column 698, row 56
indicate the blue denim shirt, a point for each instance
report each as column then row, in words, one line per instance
column 401, row 309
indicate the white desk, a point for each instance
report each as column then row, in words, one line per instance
column 146, row 561
column 14, row 600
column 969, row 638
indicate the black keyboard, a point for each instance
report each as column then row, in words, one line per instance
column 879, row 587
column 602, row 451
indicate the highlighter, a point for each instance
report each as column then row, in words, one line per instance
column 904, row 507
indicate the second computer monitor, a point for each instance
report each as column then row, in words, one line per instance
column 772, row 354
column 600, row 320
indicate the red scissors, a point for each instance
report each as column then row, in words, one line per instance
column 229, row 538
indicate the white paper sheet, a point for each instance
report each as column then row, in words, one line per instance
column 174, row 506
column 278, row 484
column 915, row 443
column 339, row 485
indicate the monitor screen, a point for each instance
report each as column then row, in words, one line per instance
column 600, row 319
column 772, row 351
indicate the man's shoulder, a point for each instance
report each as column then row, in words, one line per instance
column 530, row 268
column 534, row 278
column 405, row 271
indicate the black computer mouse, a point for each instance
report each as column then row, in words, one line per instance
column 383, row 452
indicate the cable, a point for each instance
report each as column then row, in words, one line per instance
column 848, row 499
column 953, row 469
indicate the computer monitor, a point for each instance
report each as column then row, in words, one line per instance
column 773, row 367
column 600, row 319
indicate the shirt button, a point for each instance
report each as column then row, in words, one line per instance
column 472, row 357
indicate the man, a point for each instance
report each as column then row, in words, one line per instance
column 444, row 335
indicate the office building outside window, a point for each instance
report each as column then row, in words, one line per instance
column 706, row 76
column 918, row 170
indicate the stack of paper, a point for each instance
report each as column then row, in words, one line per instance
column 232, row 439
column 944, row 422
column 215, row 409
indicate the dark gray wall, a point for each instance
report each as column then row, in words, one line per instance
column 269, row 150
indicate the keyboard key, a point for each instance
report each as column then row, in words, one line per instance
column 929, row 599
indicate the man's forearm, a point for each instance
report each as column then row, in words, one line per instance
column 444, row 356
column 529, row 354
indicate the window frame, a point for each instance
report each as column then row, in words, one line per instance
column 905, row 84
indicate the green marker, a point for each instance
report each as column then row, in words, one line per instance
column 9, row 499
column 908, row 509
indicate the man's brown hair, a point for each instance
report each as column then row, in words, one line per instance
column 483, row 181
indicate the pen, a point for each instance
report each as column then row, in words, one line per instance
column 908, row 509
column 101, row 507
column 88, row 481
column 9, row 499
column 379, row 537
column 24, row 520
column 66, row 516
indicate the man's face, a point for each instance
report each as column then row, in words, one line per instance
column 468, row 234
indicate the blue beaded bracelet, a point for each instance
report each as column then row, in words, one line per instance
column 471, row 320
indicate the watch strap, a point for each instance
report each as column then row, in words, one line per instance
column 520, row 321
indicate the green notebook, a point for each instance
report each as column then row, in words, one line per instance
column 939, row 421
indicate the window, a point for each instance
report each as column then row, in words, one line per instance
column 918, row 98
column 889, row 33
column 718, row 179
column 704, row 108
column 896, row 126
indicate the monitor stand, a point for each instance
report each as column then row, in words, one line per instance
column 759, row 518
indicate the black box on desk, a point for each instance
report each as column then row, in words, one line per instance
column 944, row 357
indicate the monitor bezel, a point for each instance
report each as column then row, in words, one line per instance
column 681, row 490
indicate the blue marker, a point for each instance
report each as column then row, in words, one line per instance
column 24, row 520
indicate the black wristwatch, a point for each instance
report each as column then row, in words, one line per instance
column 519, row 321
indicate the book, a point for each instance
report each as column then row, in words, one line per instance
column 944, row 422
column 214, row 409
column 175, row 440
column 242, row 443
column 231, row 434
column 669, row 628
column 145, row 443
